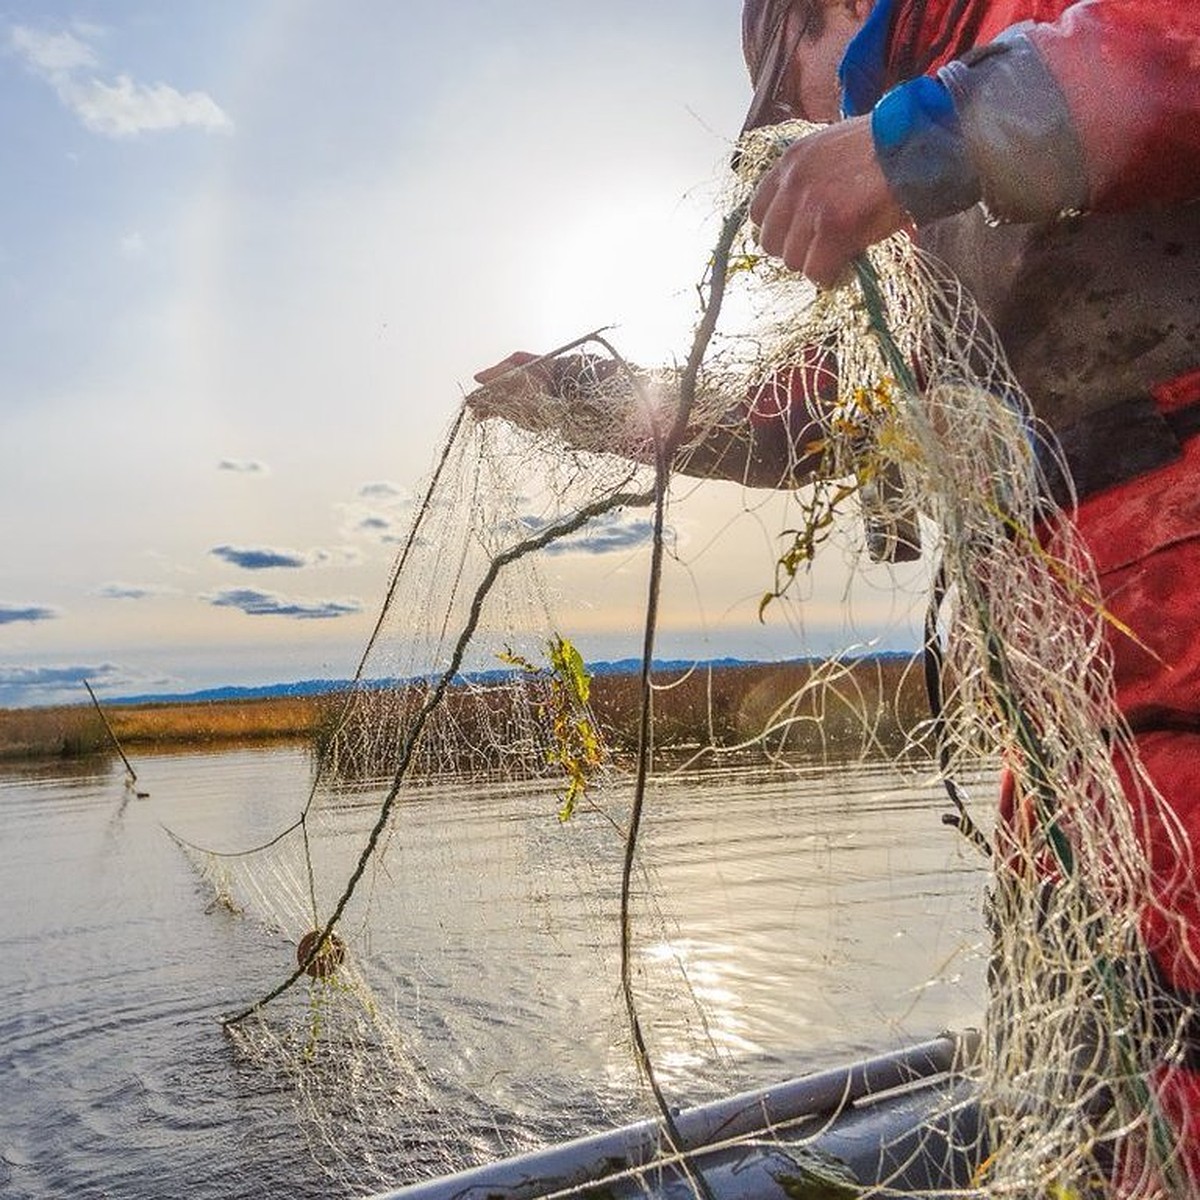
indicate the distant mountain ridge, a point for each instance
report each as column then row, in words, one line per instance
column 318, row 687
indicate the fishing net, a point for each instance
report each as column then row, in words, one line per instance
column 884, row 417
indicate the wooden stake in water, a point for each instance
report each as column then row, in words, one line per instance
column 113, row 736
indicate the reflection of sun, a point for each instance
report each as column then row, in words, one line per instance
column 706, row 970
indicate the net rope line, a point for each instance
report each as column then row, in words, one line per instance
column 529, row 546
column 1020, row 619
column 1034, row 753
column 1039, row 774
column 396, row 574
column 301, row 823
column 665, row 450
column 665, row 446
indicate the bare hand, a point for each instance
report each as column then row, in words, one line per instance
column 518, row 358
column 516, row 388
column 511, row 389
column 825, row 201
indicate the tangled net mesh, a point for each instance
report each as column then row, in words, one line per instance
column 471, row 704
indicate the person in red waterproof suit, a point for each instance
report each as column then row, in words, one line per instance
column 1049, row 153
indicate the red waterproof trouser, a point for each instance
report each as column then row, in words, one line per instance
column 1144, row 535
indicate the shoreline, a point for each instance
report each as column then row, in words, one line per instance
column 718, row 704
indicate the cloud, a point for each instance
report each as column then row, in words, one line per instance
column 385, row 519
column 131, row 591
column 55, row 676
column 609, row 533
column 123, row 108
column 256, row 603
column 52, row 55
column 386, row 530
column 243, row 466
column 10, row 614
column 24, row 686
column 383, row 491
column 262, row 558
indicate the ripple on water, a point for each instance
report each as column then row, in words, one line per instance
column 779, row 904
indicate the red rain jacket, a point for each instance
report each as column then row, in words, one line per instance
column 1128, row 71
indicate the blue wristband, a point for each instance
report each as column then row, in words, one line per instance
column 920, row 146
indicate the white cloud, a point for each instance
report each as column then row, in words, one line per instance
column 123, row 108
column 126, row 108
column 52, row 55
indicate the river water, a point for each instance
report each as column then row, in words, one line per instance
column 812, row 917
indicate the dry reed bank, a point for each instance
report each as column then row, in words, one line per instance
column 73, row 730
column 794, row 706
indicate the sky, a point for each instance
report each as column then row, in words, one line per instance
column 251, row 254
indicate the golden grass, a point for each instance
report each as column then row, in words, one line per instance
column 77, row 729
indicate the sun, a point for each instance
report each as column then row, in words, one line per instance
column 629, row 262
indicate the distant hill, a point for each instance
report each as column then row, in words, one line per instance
column 265, row 691
column 321, row 687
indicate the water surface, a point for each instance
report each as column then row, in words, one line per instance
column 781, row 923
